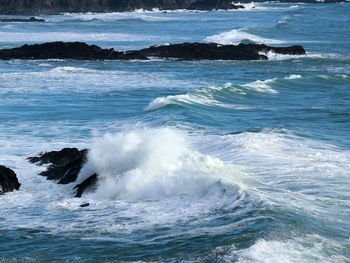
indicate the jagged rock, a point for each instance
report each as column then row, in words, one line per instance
column 184, row 51
column 87, row 183
column 64, row 164
column 32, row 19
column 8, row 180
column 64, row 167
column 66, row 50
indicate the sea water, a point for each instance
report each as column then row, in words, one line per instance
column 199, row 161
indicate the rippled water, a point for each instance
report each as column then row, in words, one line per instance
column 203, row 161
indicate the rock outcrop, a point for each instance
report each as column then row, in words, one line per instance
column 184, row 51
column 8, row 180
column 58, row 6
column 66, row 50
column 212, row 51
column 64, row 167
column 29, row 20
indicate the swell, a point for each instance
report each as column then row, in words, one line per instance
column 216, row 96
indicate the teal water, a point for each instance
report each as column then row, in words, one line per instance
column 203, row 161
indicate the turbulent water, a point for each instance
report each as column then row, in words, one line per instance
column 203, row 161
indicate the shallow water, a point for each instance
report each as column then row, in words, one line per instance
column 203, row 161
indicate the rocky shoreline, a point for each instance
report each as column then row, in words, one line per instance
column 39, row 7
column 184, row 51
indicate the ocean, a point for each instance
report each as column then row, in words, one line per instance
column 200, row 161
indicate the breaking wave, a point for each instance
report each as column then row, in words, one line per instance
column 214, row 96
column 237, row 36
column 152, row 164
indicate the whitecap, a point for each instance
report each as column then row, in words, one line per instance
column 237, row 36
column 151, row 164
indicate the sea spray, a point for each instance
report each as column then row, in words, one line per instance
column 150, row 164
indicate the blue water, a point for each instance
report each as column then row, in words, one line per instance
column 201, row 161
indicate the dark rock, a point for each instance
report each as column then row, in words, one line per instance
column 32, row 19
column 87, row 183
column 59, row 6
column 35, row 7
column 8, row 180
column 211, row 51
column 84, row 205
column 184, row 51
column 66, row 50
column 64, row 167
column 64, row 164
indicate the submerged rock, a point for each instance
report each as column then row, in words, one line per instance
column 32, row 19
column 64, row 167
column 184, row 51
column 8, row 180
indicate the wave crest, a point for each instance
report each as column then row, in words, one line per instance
column 151, row 164
column 236, row 36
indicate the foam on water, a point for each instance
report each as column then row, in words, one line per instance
column 150, row 164
column 60, row 79
column 307, row 249
column 277, row 57
column 237, row 36
column 115, row 16
column 30, row 37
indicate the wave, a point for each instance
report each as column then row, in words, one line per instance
column 202, row 96
column 236, row 36
column 213, row 96
column 115, row 16
column 310, row 248
column 152, row 164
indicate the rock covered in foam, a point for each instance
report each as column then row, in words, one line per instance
column 8, row 180
column 184, row 51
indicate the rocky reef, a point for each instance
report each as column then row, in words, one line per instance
column 8, row 180
column 184, row 51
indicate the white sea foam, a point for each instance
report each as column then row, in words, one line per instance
column 308, row 249
column 6, row 37
column 276, row 57
column 237, row 36
column 115, row 16
column 79, row 78
column 261, row 86
column 150, row 164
